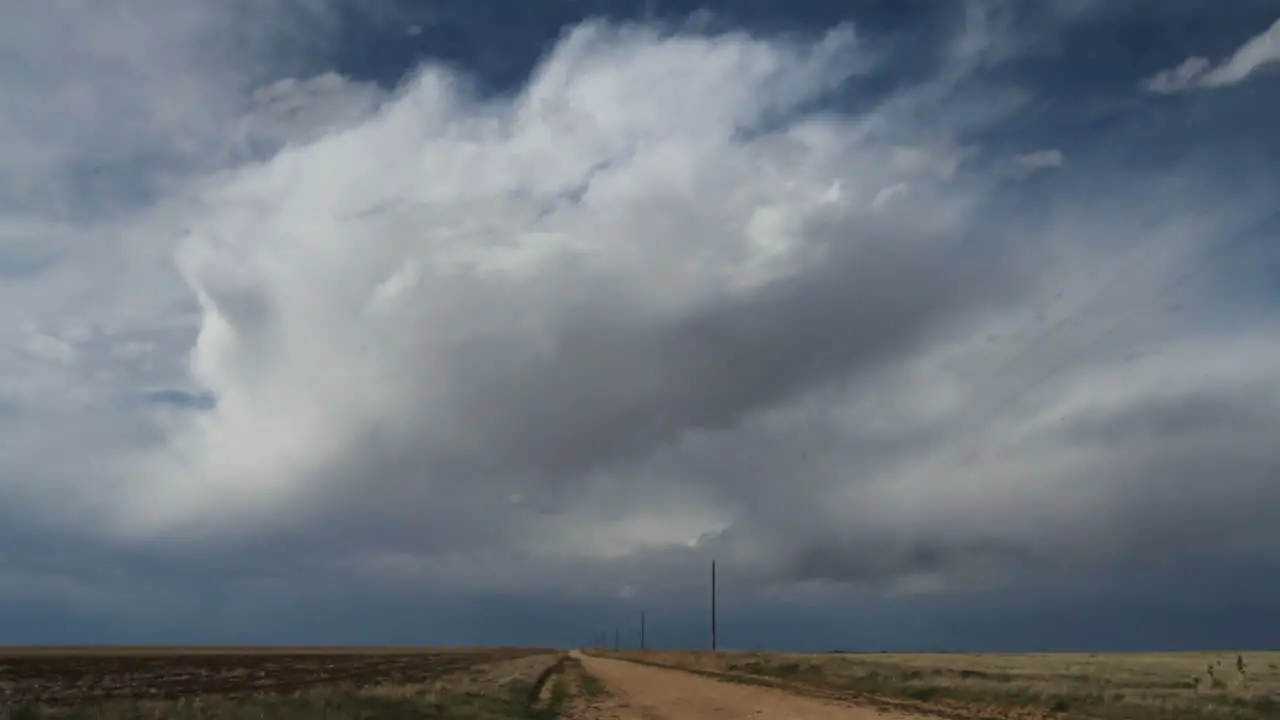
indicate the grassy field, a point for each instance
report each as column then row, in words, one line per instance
column 1164, row 686
column 233, row 683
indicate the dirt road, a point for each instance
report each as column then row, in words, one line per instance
column 642, row 692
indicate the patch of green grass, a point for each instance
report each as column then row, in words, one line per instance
column 592, row 686
column 554, row 681
column 924, row 694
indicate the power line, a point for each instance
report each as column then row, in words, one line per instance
column 713, row 606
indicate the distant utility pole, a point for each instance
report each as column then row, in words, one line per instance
column 617, row 644
column 713, row 606
column 641, row 629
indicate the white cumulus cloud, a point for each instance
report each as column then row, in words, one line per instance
column 660, row 301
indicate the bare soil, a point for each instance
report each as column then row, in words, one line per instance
column 83, row 677
column 644, row 692
column 1121, row 686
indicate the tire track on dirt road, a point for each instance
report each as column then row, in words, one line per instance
column 644, row 692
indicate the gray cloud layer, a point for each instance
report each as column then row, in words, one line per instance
column 652, row 307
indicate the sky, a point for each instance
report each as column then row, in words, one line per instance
column 937, row 325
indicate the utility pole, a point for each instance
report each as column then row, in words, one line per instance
column 617, row 645
column 713, row 606
column 641, row 629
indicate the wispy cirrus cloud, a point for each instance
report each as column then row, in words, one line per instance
column 1256, row 54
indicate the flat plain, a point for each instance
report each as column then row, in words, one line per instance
column 1157, row 686
column 113, row 683
column 227, row 682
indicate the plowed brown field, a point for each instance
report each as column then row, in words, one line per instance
column 53, row 677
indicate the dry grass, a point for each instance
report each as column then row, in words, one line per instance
column 573, row 692
column 233, row 683
column 1163, row 686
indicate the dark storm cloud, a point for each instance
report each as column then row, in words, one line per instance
column 616, row 387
